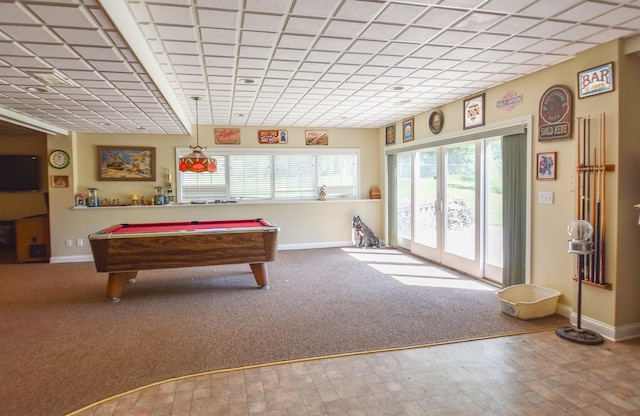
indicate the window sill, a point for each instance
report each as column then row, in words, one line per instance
column 188, row 204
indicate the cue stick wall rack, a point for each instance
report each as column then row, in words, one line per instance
column 591, row 199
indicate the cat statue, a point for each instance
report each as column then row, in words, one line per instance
column 367, row 237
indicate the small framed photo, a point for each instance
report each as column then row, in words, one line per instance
column 407, row 130
column 546, row 166
column 594, row 81
column 59, row 181
column 81, row 200
column 390, row 134
column 473, row 109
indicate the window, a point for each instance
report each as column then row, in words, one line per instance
column 285, row 174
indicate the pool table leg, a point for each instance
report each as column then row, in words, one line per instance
column 260, row 273
column 116, row 283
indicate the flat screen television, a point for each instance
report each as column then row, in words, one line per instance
column 19, row 173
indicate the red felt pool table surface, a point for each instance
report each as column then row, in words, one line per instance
column 124, row 249
column 160, row 227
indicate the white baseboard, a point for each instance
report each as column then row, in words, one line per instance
column 611, row 333
column 71, row 259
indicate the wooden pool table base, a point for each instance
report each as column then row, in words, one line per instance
column 118, row 280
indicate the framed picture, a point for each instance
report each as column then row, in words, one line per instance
column 436, row 122
column 316, row 137
column 390, row 134
column 473, row 111
column 59, row 181
column 227, row 136
column 594, row 81
column 272, row 137
column 407, row 130
column 126, row 163
column 546, row 166
column 81, row 200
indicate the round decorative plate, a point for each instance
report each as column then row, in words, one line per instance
column 436, row 121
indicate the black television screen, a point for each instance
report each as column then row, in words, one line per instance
column 19, row 173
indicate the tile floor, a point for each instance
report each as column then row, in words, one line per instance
column 533, row 374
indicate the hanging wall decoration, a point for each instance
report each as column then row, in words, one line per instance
column 407, row 130
column 227, row 136
column 316, row 137
column 473, row 109
column 595, row 81
column 390, row 134
column 272, row 137
column 555, row 114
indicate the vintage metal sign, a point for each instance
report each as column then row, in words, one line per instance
column 595, row 81
column 509, row 101
column 272, row 136
column 555, row 115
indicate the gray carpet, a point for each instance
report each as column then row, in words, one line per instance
column 64, row 346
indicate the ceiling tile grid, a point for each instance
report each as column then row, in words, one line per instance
column 323, row 63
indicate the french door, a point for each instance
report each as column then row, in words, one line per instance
column 449, row 207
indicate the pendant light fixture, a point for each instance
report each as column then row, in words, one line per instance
column 197, row 161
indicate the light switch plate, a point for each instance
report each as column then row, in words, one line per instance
column 545, row 197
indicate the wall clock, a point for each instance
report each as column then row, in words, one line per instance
column 59, row 159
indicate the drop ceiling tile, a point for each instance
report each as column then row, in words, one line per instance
column 353, row 58
column 359, row 10
column 179, row 33
column 35, row 34
column 416, row 34
column 478, row 21
column 181, row 47
column 339, row 28
column 332, row 44
column 82, row 36
column 11, row 13
column 578, row 32
column 303, row 25
column 214, row 49
column 172, row 14
column 509, row 6
column 400, row 13
column 548, row 28
column 262, row 22
column 219, row 19
column 295, row 41
column 215, row 35
column 517, row 43
column 546, row 46
column 608, row 35
column 438, row 17
column 452, row 37
column 584, row 11
column 366, row 46
column 548, row 8
column 617, row 17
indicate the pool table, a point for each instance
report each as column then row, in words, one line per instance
column 124, row 249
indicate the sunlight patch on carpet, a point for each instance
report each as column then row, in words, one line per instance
column 381, row 256
column 412, row 272
column 457, row 283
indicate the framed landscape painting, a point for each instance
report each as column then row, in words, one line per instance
column 126, row 163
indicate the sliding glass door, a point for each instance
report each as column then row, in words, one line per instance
column 449, row 206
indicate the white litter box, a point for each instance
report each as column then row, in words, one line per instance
column 528, row 301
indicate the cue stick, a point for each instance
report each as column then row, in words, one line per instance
column 597, row 210
column 603, row 161
column 578, row 193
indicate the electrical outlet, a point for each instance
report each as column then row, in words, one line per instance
column 68, row 243
column 545, row 197
column 79, row 242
